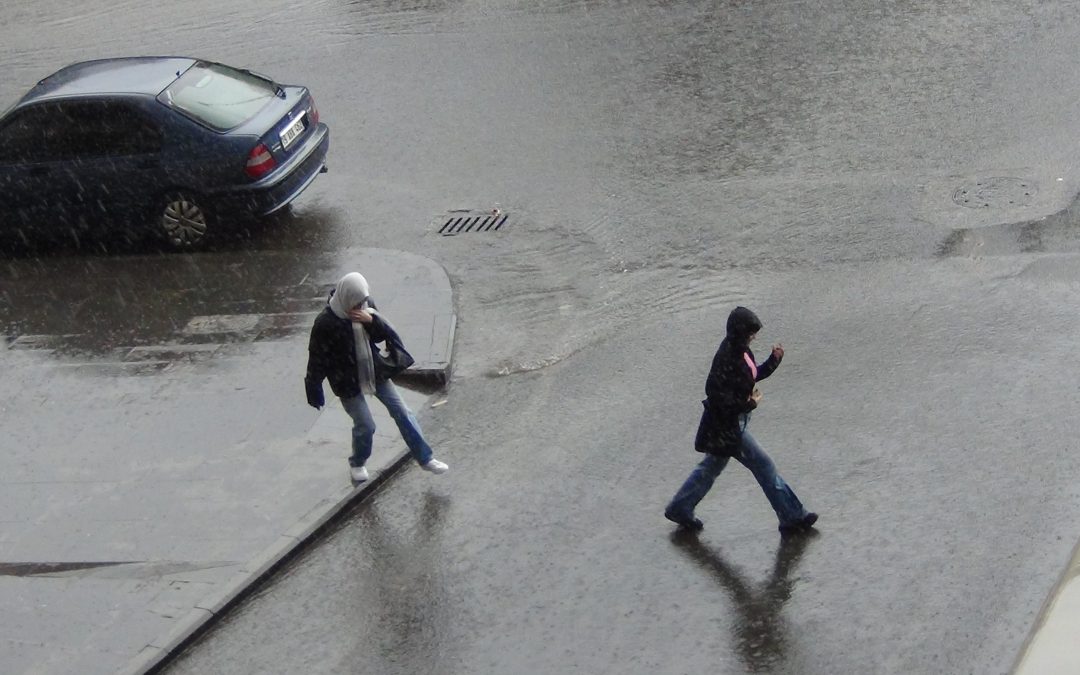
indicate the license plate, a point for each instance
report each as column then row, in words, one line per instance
column 293, row 130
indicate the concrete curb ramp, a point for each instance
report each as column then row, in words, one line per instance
column 427, row 328
column 157, row 467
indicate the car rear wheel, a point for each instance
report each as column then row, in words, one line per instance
column 184, row 220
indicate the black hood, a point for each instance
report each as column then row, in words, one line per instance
column 741, row 324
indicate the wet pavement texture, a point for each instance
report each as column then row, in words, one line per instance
column 660, row 163
column 942, row 528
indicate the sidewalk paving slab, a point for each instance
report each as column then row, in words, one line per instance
column 193, row 480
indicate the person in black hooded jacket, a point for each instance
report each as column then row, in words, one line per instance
column 730, row 397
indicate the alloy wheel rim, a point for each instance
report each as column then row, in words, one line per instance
column 184, row 222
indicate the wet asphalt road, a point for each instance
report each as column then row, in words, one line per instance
column 661, row 163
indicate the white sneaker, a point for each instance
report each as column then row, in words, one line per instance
column 435, row 467
column 359, row 473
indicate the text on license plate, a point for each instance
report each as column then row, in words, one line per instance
column 294, row 130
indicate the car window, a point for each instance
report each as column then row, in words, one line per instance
column 218, row 96
column 71, row 130
column 31, row 135
column 109, row 129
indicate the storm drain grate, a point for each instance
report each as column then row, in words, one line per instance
column 999, row 192
column 460, row 224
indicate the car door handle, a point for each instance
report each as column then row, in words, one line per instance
column 149, row 164
column 39, row 170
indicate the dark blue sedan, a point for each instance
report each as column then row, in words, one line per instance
column 174, row 147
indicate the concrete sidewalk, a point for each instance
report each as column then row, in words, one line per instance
column 1052, row 647
column 152, row 472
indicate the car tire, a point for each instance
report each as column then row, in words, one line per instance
column 184, row 220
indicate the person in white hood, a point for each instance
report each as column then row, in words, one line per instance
column 343, row 349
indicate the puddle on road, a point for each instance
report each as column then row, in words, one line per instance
column 33, row 569
column 137, row 314
column 125, row 569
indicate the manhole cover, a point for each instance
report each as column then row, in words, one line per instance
column 1002, row 192
column 462, row 222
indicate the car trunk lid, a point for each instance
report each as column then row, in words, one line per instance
column 283, row 124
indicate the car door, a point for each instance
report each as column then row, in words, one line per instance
column 116, row 153
column 38, row 192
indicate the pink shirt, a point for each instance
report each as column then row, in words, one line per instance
column 750, row 362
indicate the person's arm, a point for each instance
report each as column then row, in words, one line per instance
column 772, row 363
column 316, row 369
column 377, row 329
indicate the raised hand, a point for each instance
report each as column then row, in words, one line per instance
column 360, row 315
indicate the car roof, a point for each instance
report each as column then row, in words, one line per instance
column 127, row 75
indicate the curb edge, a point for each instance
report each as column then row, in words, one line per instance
column 296, row 539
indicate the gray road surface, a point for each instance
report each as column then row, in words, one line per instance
column 661, row 163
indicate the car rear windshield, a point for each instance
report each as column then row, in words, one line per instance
column 218, row 96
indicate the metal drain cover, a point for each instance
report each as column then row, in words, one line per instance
column 464, row 221
column 998, row 192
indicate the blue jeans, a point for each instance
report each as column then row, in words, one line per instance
column 789, row 510
column 363, row 430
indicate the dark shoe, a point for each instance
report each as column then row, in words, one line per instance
column 802, row 525
column 685, row 522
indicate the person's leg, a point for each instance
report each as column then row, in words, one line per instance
column 405, row 420
column 789, row 510
column 363, row 429
column 693, row 490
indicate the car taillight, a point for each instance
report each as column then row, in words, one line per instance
column 314, row 112
column 260, row 162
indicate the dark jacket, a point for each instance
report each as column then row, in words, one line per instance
column 332, row 355
column 729, row 385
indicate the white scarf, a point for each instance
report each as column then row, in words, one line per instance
column 351, row 293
